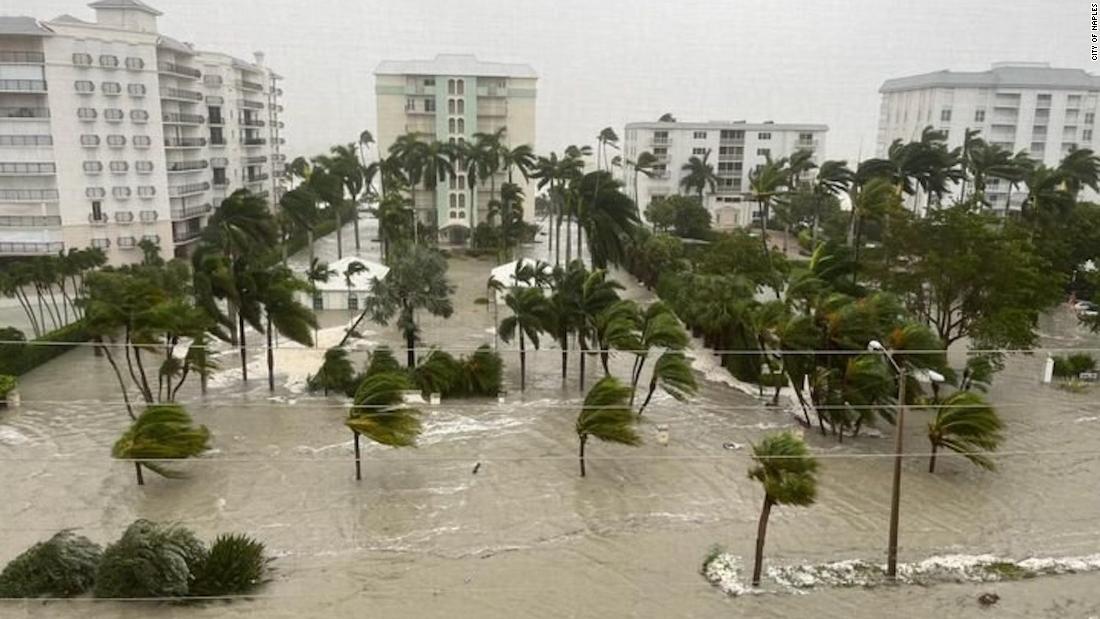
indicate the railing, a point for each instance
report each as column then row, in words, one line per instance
column 258, row 178
column 186, row 235
column 24, row 112
column 22, row 57
column 250, row 85
column 177, row 191
column 28, row 195
column 170, row 67
column 253, row 141
column 256, row 159
column 252, row 105
column 661, row 141
column 49, row 247
column 252, row 122
column 217, row 141
column 183, row 119
column 147, row 216
column 30, row 221
column 102, row 220
column 184, row 142
column 187, row 166
column 23, row 85
column 179, row 93
column 27, row 168
column 127, row 242
column 216, row 120
column 124, row 217
column 187, row 212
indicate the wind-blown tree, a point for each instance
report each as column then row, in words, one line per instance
column 617, row 328
column 529, row 317
column 788, row 473
column 673, row 373
column 299, row 206
column 407, row 152
column 417, row 281
column 646, row 165
column 379, row 413
column 335, row 374
column 833, row 178
column 572, row 170
column 565, row 290
column 609, row 218
column 596, row 294
column 606, row 415
column 698, row 175
column 606, row 138
column 1079, row 169
column 277, row 289
column 60, row 567
column 765, row 183
column 161, row 432
column 659, row 328
column 437, row 164
column 966, row 424
column 343, row 162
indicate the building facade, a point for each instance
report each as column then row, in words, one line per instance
column 735, row 149
column 1030, row 107
column 450, row 98
column 111, row 133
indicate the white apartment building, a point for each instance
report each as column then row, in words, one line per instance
column 1029, row 107
column 111, row 133
column 735, row 149
column 449, row 99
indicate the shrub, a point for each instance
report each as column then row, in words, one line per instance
column 1071, row 366
column 150, row 560
column 7, row 384
column 63, row 566
column 235, row 564
column 336, row 374
column 18, row 359
column 482, row 374
column 439, row 373
column 382, row 360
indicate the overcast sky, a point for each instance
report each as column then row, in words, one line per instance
column 608, row 62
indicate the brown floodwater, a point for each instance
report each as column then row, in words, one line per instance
column 422, row 535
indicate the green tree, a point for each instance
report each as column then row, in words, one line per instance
column 788, row 473
column 529, row 317
column 606, row 415
column 596, row 294
column 162, row 432
column 62, row 566
column 608, row 217
column 964, row 423
column 673, row 373
column 698, row 175
column 277, row 290
column 379, row 413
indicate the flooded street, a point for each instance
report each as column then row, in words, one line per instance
column 422, row 535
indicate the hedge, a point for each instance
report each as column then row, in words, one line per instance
column 18, row 359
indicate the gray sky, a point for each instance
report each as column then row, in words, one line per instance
column 608, row 62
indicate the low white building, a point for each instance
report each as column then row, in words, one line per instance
column 343, row 291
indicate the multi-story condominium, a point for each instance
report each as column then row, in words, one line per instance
column 450, row 99
column 111, row 133
column 735, row 149
column 1029, row 107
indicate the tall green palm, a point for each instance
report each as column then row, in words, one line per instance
column 673, row 373
column 408, row 153
column 606, row 415
column 646, row 165
column 277, row 290
column 438, row 166
column 964, row 423
column 659, row 328
column 1080, row 168
column 617, row 327
column 833, row 178
column 344, row 163
column 161, row 432
column 596, row 294
column 546, row 174
column 379, row 413
column 609, row 217
column 606, row 138
column 572, row 169
column 565, row 286
column 529, row 317
column 300, row 206
column 699, row 175
column 765, row 183
column 785, row 468
column 520, row 158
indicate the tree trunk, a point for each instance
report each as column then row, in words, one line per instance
column 932, row 458
column 140, row 478
column 649, row 396
column 761, row 532
column 121, row 381
column 309, row 241
column 270, row 358
column 636, row 375
column 339, row 235
column 522, row 363
column 358, row 465
column 569, row 240
column 355, row 220
column 581, row 364
column 584, row 439
column 563, row 341
column 410, row 342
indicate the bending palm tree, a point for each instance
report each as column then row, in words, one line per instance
column 530, row 315
column 660, row 328
column 965, row 423
column 673, row 373
column 161, row 432
column 380, row 414
column 765, row 183
column 785, row 468
column 646, row 164
column 606, row 416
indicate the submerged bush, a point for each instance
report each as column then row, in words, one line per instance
column 150, row 560
column 1071, row 366
column 235, row 564
column 63, row 566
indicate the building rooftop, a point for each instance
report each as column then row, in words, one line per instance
column 1000, row 75
column 454, row 64
column 69, row 19
column 726, row 124
column 176, row 46
column 26, row 26
column 136, row 5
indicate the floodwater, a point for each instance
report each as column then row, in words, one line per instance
column 422, row 535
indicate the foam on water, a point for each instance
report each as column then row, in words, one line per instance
column 11, row 436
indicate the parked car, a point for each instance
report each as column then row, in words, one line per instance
column 1086, row 308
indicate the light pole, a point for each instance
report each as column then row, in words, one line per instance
column 899, row 431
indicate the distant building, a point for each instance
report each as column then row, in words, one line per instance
column 111, row 133
column 344, row 289
column 449, row 99
column 1031, row 106
column 735, row 148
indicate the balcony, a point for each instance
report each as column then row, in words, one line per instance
column 179, row 70
column 183, row 119
column 27, row 113
column 29, row 86
column 221, row 183
column 216, row 120
column 180, row 94
column 187, row 212
column 124, row 217
column 19, row 57
column 258, row 178
column 186, row 235
column 30, row 221
column 147, row 216
column 217, row 141
column 28, row 195
column 252, row 122
column 246, row 85
column 252, row 105
column 102, row 220
column 27, row 168
column 491, row 91
column 187, row 166
column 32, row 248
column 179, row 191
column 184, row 142
column 659, row 141
column 127, row 242
column 257, row 159
column 807, row 144
column 253, row 141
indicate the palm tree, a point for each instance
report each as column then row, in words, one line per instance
column 529, row 318
column 699, row 175
column 659, row 328
column 161, row 432
column 765, row 183
column 833, row 178
column 1080, row 168
column 606, row 416
column 596, row 294
column 277, row 289
column 336, row 373
column 674, row 374
column 565, row 287
column 782, row 464
column 965, row 423
column 521, row 158
column 380, row 414
column 344, row 163
column 646, row 164
column 617, row 327
column 408, row 152
column 607, row 137
column 610, row 217
column 300, row 207
column 438, row 166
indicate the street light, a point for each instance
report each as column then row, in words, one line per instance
column 899, row 430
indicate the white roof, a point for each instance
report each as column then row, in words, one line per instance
column 360, row 282
column 454, row 64
column 506, row 273
column 125, row 4
column 26, row 26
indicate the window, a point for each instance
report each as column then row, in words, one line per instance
column 119, row 167
column 660, row 151
column 109, row 61
column 1086, row 135
column 93, row 167
column 429, row 81
column 86, row 113
column 764, row 136
column 450, row 106
column 121, row 193
column 429, row 105
column 113, row 115
column 89, row 140
column 945, row 115
column 116, row 141
column 454, row 215
column 461, row 182
column 1089, row 117
column 136, row 90
column 139, row 116
column 213, row 81
column 764, row 152
column 979, row 115
column 147, row 191
column 25, row 140
column 450, row 87
column 805, row 138
column 140, row 141
column 454, row 201
column 82, row 60
column 97, row 211
column 731, row 134
column 220, row 177
column 95, row 192
column 318, row 301
column 462, row 214
column 1042, row 100
column 143, row 167
column 112, row 88
column 461, row 200
column 451, row 125
column 135, row 63
column 217, row 136
column 410, row 104
column 461, row 125
column 461, row 85
column 215, row 114
column 698, row 151
column 84, row 86
column 101, row 243
column 699, row 135
column 353, row 303
column 461, row 106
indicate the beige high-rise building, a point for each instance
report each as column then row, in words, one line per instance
column 450, row 98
